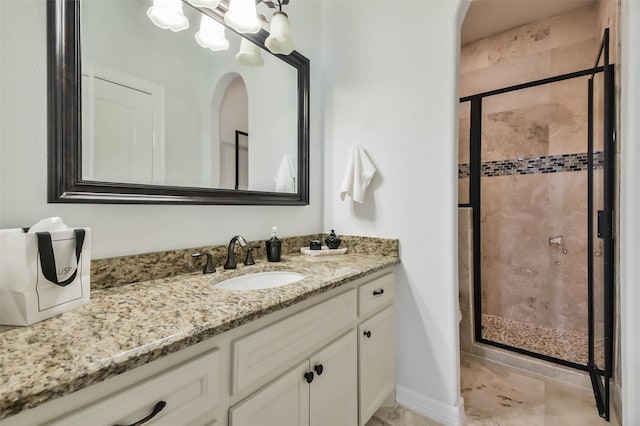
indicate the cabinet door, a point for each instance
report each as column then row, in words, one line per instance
column 377, row 362
column 284, row 402
column 334, row 390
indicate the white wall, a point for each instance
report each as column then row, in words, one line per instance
column 123, row 229
column 390, row 76
column 630, row 211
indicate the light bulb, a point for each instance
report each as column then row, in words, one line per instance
column 249, row 54
column 280, row 40
column 242, row 16
column 211, row 35
column 168, row 15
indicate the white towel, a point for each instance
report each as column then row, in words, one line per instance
column 286, row 176
column 358, row 175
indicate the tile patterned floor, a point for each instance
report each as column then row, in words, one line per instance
column 498, row 395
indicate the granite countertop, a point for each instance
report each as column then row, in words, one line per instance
column 127, row 326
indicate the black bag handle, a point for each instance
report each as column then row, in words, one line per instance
column 48, row 261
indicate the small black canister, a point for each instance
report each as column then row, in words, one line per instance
column 332, row 241
column 274, row 246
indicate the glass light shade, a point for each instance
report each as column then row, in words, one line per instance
column 168, row 15
column 249, row 54
column 243, row 17
column 280, row 40
column 211, row 35
column 211, row 4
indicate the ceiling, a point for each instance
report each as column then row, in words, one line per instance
column 488, row 17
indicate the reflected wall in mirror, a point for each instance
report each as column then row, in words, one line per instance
column 160, row 115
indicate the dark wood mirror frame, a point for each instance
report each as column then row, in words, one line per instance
column 65, row 184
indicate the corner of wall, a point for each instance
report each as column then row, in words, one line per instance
column 629, row 206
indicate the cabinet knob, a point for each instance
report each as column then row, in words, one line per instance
column 378, row 292
column 156, row 409
column 367, row 334
column 319, row 369
column 309, row 376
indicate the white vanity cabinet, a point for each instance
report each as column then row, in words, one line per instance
column 349, row 390
column 319, row 391
column 376, row 344
column 328, row 360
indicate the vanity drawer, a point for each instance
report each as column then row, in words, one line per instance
column 189, row 391
column 376, row 294
column 270, row 351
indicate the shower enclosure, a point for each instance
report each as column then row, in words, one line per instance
column 539, row 180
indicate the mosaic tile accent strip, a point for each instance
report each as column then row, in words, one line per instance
column 529, row 166
column 463, row 170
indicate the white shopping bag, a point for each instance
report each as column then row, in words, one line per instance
column 43, row 274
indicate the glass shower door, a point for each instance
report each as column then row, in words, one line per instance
column 601, row 153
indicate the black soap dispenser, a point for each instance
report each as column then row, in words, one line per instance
column 274, row 246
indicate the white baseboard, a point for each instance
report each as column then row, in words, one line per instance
column 449, row 415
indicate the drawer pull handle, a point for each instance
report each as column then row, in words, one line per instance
column 309, row 376
column 156, row 409
column 367, row 334
column 319, row 369
column 378, row 292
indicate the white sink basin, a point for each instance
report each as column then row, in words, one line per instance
column 260, row 280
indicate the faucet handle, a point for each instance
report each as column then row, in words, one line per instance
column 249, row 259
column 208, row 267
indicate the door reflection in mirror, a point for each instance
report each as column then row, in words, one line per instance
column 234, row 146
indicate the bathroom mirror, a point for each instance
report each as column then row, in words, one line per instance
column 138, row 114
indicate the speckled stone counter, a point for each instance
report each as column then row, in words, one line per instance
column 127, row 326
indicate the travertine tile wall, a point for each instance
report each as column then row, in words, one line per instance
column 541, row 49
column 525, row 277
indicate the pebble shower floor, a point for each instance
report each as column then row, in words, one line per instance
column 567, row 345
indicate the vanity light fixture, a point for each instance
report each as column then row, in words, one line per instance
column 211, row 35
column 243, row 17
column 168, row 15
column 249, row 54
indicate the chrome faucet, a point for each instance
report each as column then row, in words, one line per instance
column 231, row 259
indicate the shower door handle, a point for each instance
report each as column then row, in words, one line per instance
column 600, row 217
column 604, row 224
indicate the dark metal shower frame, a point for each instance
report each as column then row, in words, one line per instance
column 475, row 172
column 600, row 378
